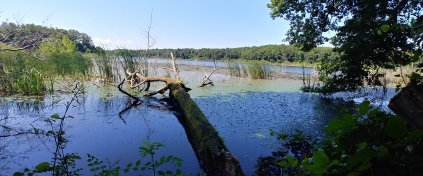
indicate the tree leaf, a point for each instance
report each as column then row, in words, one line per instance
column 42, row 167
column 385, row 28
column 339, row 124
column 364, row 107
column 283, row 163
column 396, row 127
column 320, row 164
column 55, row 116
column 320, row 158
column 379, row 32
column 292, row 161
column 360, row 158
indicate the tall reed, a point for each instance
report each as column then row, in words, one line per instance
column 29, row 83
column 259, row 71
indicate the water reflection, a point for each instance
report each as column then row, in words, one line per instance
column 244, row 119
column 108, row 125
column 95, row 128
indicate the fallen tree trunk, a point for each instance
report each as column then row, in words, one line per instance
column 209, row 148
column 408, row 103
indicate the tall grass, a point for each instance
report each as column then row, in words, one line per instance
column 259, row 71
column 105, row 66
column 68, row 64
column 128, row 59
column 234, row 69
column 29, row 82
column 23, row 72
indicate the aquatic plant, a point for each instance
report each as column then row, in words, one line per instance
column 128, row 59
column 258, row 71
column 105, row 67
column 29, row 82
column 234, row 69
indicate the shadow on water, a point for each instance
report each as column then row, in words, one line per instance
column 245, row 119
column 105, row 127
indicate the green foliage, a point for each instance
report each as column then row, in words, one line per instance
column 369, row 142
column 29, row 82
column 291, row 157
column 271, row 53
column 31, row 36
column 99, row 167
column 368, row 35
column 23, row 72
column 105, row 66
column 258, row 71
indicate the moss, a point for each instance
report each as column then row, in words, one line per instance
column 204, row 139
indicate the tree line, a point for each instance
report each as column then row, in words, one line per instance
column 271, row 53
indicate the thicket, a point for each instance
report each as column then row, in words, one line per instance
column 368, row 142
column 25, row 71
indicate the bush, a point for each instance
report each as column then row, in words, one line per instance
column 369, row 142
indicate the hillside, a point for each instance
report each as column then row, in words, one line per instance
column 29, row 36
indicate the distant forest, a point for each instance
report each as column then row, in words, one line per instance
column 271, row 53
column 30, row 36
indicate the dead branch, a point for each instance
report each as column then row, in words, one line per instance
column 126, row 93
column 15, row 49
column 175, row 69
column 206, row 79
column 136, row 80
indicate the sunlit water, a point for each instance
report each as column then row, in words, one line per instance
column 242, row 111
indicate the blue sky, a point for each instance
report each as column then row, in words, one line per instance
column 175, row 24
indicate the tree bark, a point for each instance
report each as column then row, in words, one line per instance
column 209, row 148
column 408, row 103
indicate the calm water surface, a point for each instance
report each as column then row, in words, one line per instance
column 242, row 111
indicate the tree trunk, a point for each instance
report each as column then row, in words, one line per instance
column 408, row 103
column 209, row 148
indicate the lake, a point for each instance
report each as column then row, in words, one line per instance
column 240, row 108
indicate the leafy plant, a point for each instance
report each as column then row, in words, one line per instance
column 29, row 82
column 369, row 142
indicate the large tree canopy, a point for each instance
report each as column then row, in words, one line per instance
column 369, row 34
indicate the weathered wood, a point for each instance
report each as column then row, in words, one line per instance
column 408, row 103
column 209, row 148
column 207, row 80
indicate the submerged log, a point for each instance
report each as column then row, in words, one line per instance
column 209, row 148
column 408, row 103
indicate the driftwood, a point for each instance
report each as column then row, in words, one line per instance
column 408, row 103
column 213, row 156
column 206, row 79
